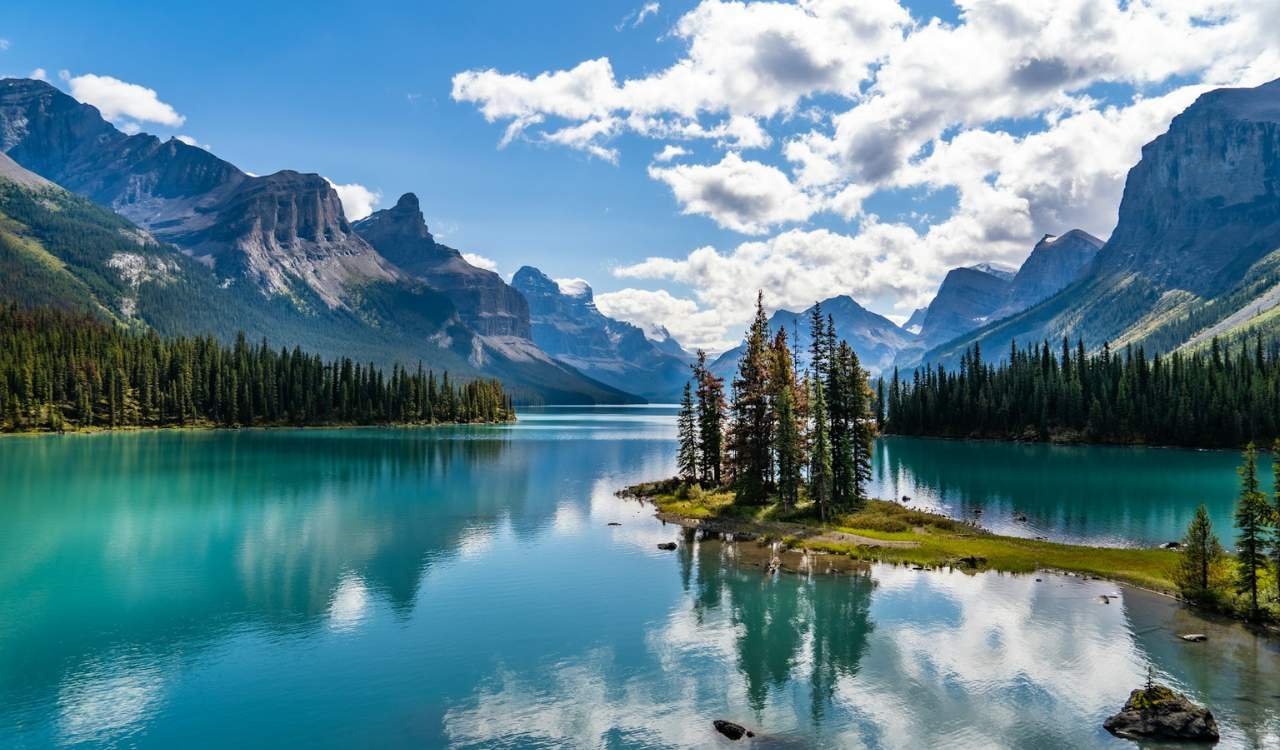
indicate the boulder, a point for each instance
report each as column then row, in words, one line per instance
column 667, row 546
column 1159, row 713
column 733, row 731
column 1194, row 637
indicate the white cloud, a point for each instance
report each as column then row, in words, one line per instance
column 191, row 141
column 746, row 60
column 637, row 16
column 1028, row 112
column 40, row 74
column 4, row 45
column 358, row 201
column 573, row 287
column 669, row 152
column 658, row 313
column 649, row 9
column 479, row 261
column 745, row 196
column 118, row 100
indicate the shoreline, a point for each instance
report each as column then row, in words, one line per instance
column 131, row 429
column 933, row 542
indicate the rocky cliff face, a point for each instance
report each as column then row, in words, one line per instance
column 1054, row 263
column 486, row 302
column 876, row 339
column 569, row 327
column 1195, row 242
column 278, row 230
column 967, row 298
column 1203, row 204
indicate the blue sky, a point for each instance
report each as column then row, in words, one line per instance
column 884, row 146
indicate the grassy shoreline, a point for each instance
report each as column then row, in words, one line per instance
column 889, row 532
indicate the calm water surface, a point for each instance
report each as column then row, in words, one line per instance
column 461, row 588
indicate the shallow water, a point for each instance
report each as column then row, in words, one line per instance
column 461, row 587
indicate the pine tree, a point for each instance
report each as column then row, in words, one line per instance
column 820, row 472
column 752, row 425
column 1201, row 557
column 788, row 450
column 710, row 392
column 1253, row 514
column 687, row 460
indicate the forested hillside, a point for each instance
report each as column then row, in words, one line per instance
column 64, row 370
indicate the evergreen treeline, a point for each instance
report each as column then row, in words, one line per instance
column 782, row 433
column 1205, row 573
column 61, row 370
column 1211, row 398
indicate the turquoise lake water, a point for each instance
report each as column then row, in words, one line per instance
column 461, row 587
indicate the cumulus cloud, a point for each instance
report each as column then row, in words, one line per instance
column 745, row 196
column 119, row 100
column 745, row 60
column 1024, row 114
column 358, row 201
column 40, row 74
column 480, row 261
column 658, row 313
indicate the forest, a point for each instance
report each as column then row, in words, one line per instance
column 1221, row 396
column 62, row 371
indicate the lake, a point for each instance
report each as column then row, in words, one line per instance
column 461, row 587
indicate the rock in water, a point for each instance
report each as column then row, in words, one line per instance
column 733, row 731
column 667, row 546
column 1159, row 713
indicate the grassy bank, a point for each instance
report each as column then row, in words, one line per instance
column 889, row 532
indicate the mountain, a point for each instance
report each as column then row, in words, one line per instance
column 567, row 325
column 916, row 321
column 1053, row 264
column 967, row 298
column 874, row 338
column 1195, row 244
column 273, row 255
column 487, row 303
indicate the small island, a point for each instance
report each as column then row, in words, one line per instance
column 787, row 458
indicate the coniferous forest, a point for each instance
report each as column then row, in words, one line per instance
column 1210, row 398
column 782, row 434
column 68, row 371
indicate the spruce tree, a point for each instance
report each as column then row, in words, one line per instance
column 753, row 419
column 710, row 392
column 786, row 428
column 1253, row 514
column 820, row 472
column 687, row 427
column 1201, row 555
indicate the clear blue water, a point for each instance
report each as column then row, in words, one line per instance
column 460, row 587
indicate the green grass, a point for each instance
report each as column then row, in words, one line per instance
column 938, row 540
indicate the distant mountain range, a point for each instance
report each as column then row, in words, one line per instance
column 168, row 236
column 1196, row 248
column 271, row 255
column 876, row 339
column 567, row 325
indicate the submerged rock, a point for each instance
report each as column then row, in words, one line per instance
column 1159, row 713
column 1194, row 637
column 733, row 731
